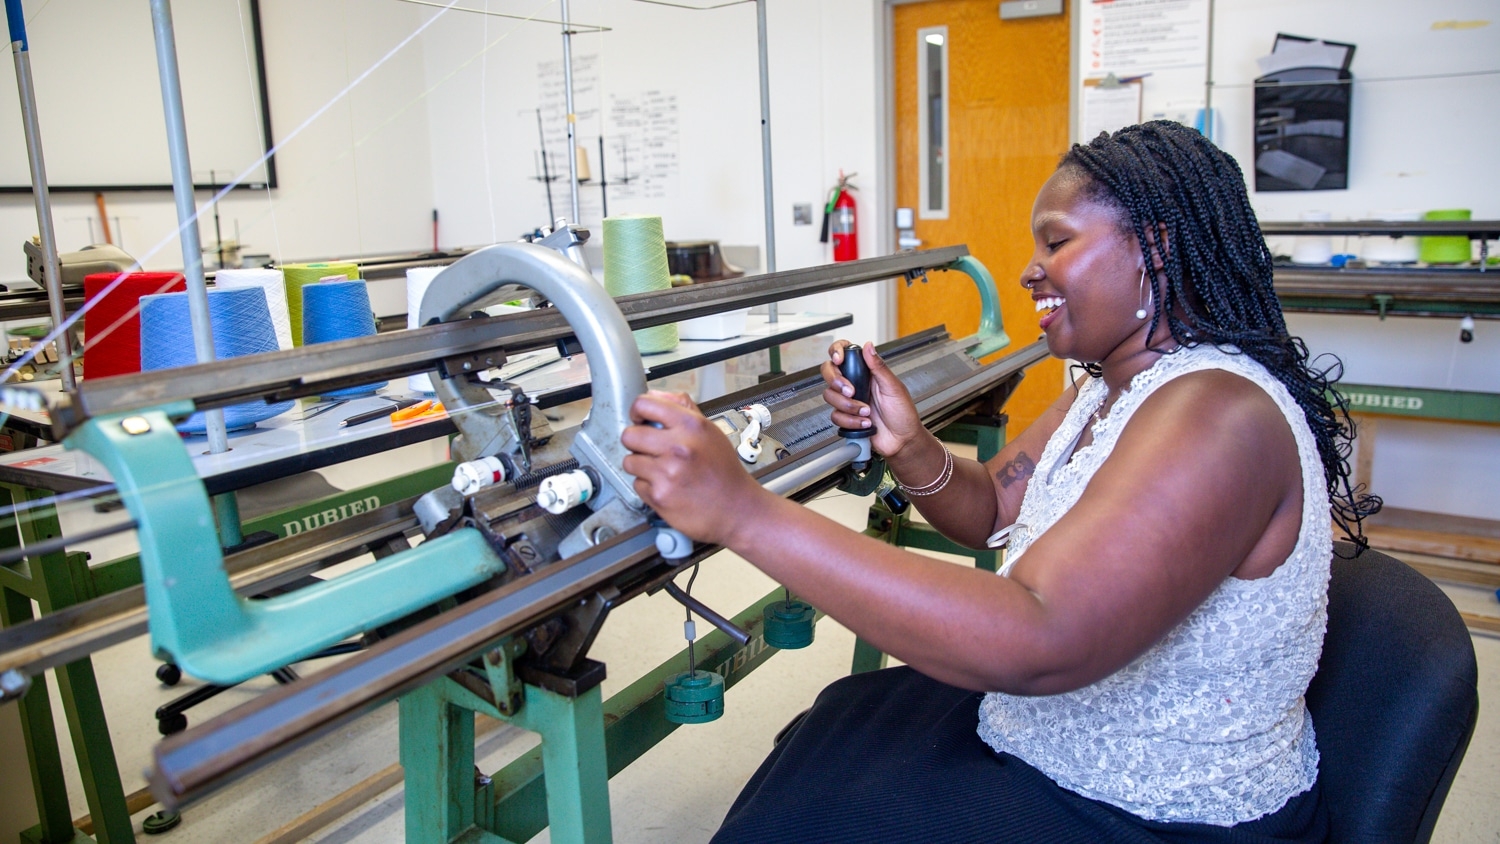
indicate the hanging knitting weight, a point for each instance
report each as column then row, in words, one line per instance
column 789, row 624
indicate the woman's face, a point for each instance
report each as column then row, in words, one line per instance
column 1085, row 272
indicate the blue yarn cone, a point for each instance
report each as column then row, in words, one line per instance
column 338, row 310
column 241, row 323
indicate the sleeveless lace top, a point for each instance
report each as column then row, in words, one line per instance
column 1209, row 725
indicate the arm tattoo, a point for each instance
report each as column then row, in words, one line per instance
column 1016, row 470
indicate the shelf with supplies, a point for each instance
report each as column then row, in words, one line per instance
column 1453, row 291
column 1441, row 546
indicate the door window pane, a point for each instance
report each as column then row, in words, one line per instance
column 932, row 118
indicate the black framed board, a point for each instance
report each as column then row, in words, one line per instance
column 99, row 101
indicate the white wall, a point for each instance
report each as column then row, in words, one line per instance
column 1414, row 144
column 365, row 176
column 356, row 181
column 823, row 118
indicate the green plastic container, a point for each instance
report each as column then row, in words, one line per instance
column 1445, row 250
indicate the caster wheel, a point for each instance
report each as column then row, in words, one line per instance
column 168, row 674
column 160, row 822
column 174, row 723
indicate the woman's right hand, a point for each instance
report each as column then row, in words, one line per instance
column 891, row 410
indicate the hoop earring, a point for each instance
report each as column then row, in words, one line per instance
column 1145, row 297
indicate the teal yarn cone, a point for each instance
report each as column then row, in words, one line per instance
column 635, row 261
column 338, row 310
column 241, row 323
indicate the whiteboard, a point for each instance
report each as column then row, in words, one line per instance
column 98, row 96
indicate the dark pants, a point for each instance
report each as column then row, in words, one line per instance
column 894, row 756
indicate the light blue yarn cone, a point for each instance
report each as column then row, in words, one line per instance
column 242, row 326
column 338, row 310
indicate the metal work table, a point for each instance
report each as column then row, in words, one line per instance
column 287, row 445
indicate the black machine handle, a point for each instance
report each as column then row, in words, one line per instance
column 857, row 373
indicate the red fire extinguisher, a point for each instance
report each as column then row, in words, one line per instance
column 840, row 219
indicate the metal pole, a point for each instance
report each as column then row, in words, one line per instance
column 572, row 118
column 182, row 189
column 51, row 272
column 772, row 310
column 765, row 144
column 1208, row 79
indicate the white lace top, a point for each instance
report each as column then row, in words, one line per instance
column 1209, row 725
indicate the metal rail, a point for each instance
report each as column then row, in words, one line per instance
column 205, row 757
column 312, row 369
column 1429, row 283
column 77, row 631
column 1472, row 229
column 190, row 765
column 1400, row 292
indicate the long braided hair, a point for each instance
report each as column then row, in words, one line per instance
column 1214, row 285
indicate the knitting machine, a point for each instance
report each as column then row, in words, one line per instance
column 522, row 556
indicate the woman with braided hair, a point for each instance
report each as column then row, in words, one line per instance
column 1137, row 671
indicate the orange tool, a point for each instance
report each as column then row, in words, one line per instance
column 422, row 411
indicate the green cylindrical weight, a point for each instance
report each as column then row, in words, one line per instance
column 160, row 822
column 789, row 624
column 694, row 697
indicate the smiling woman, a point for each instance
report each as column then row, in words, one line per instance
column 1145, row 653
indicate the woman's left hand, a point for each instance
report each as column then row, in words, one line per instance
column 686, row 470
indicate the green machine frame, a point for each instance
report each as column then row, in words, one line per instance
column 61, row 579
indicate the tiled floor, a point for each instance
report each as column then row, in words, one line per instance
column 678, row 791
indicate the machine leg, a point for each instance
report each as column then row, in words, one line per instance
column 40, row 736
column 573, row 762
column 867, row 657
column 95, row 752
column 437, row 751
column 59, row 577
column 56, row 581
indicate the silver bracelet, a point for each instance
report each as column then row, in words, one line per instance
column 936, row 486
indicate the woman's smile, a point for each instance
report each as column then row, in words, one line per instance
column 1052, row 306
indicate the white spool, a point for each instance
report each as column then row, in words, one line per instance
column 561, row 493
column 1313, row 250
column 1393, row 250
column 471, row 477
column 274, row 285
column 757, row 417
column 418, row 279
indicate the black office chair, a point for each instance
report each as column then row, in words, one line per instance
column 1394, row 701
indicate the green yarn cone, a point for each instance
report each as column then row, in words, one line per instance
column 298, row 275
column 635, row 261
column 1445, row 250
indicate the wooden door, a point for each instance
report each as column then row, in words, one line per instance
column 1007, row 96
